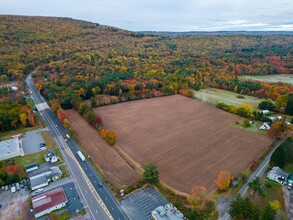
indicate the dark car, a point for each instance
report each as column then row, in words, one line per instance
column 100, row 184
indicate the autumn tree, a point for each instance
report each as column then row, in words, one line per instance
column 275, row 204
column 151, row 173
column 277, row 129
column 31, row 118
column 245, row 110
column 281, row 103
column 223, row 180
column 198, row 200
column 23, row 119
column 61, row 115
column 108, row 135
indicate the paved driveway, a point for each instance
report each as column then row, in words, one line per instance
column 31, row 142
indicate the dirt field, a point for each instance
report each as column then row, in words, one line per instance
column 15, row 205
column 106, row 158
column 190, row 141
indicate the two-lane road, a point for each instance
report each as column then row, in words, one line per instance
column 99, row 200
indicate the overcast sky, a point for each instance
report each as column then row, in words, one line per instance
column 165, row 15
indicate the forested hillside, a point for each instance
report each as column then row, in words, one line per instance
column 78, row 58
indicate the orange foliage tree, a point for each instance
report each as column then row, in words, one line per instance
column 223, row 180
column 278, row 129
column 108, row 135
column 198, row 200
column 61, row 115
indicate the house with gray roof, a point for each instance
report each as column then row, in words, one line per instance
column 41, row 176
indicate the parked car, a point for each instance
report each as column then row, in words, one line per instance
column 289, row 186
column 3, row 187
column 18, row 188
column 13, row 189
column 39, row 190
column 6, row 187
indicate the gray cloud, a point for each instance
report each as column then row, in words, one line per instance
column 165, row 15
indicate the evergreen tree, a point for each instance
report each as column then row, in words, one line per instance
column 151, row 173
column 268, row 213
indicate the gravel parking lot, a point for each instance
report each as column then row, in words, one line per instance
column 140, row 204
column 31, row 142
column 14, row 205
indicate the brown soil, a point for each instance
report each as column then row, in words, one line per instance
column 190, row 141
column 104, row 156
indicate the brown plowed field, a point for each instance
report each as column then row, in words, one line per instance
column 190, row 141
column 105, row 157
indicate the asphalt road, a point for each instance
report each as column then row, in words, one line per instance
column 261, row 169
column 99, row 200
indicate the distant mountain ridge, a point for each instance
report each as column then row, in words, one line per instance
column 173, row 34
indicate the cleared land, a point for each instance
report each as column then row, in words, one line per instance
column 284, row 78
column 103, row 155
column 214, row 96
column 189, row 140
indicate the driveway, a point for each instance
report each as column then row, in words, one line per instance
column 31, row 142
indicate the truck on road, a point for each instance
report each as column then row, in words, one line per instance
column 81, row 156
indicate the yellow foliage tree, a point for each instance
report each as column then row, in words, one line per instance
column 276, row 205
column 23, row 119
column 223, row 180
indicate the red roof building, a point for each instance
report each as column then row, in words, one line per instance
column 48, row 202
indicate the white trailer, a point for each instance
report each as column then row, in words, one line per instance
column 81, row 156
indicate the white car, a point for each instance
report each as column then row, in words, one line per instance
column 39, row 190
column 13, row 189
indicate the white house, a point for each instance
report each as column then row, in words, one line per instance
column 275, row 118
column 265, row 126
column 277, row 175
column 265, row 112
column 48, row 202
column 51, row 157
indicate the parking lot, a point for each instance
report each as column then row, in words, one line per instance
column 140, row 203
column 31, row 142
column 14, row 205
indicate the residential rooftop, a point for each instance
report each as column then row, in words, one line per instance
column 42, row 168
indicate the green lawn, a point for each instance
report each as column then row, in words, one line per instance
column 273, row 191
column 284, row 78
column 214, row 96
column 252, row 128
